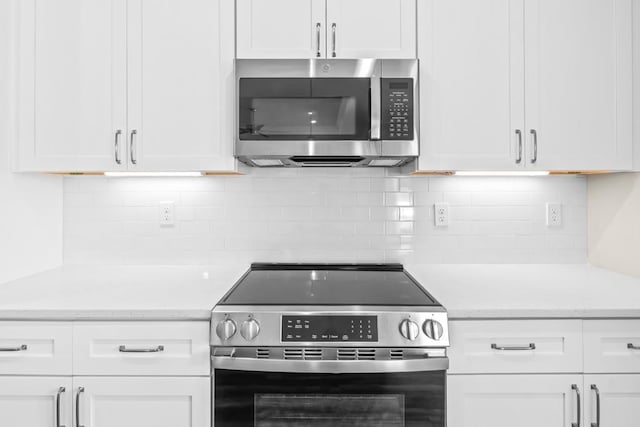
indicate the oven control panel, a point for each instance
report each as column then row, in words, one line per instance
column 397, row 109
column 329, row 328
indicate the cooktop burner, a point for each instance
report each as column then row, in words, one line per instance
column 328, row 284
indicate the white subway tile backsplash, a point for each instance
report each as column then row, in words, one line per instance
column 303, row 215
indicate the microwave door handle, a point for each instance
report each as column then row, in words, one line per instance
column 376, row 107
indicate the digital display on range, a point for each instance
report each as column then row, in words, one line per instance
column 330, row 328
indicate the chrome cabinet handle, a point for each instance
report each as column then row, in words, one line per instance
column 117, row 147
column 80, row 390
column 534, row 134
column 519, row 135
column 531, row 346
column 23, row 347
column 58, row 394
column 318, row 27
column 124, row 349
column 630, row 346
column 333, row 39
column 134, row 161
column 578, row 406
column 595, row 388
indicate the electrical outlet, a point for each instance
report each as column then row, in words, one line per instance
column 166, row 212
column 554, row 214
column 441, row 214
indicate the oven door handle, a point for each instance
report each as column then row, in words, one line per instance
column 330, row 366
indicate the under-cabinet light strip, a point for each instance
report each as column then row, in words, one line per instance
column 152, row 174
column 502, row 173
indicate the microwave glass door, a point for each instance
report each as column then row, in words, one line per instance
column 305, row 109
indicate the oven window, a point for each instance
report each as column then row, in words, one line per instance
column 327, row 410
column 301, row 109
column 261, row 399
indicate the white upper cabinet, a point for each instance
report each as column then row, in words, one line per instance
column 537, row 85
column 108, row 85
column 326, row 29
column 71, row 80
column 578, row 56
column 471, row 84
column 371, row 28
column 280, row 28
column 180, row 85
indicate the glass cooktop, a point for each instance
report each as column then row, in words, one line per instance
column 328, row 284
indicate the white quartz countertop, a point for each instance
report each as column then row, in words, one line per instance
column 190, row 292
column 530, row 291
column 119, row 292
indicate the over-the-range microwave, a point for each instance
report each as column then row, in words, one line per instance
column 327, row 112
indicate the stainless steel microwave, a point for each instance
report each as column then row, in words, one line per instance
column 326, row 112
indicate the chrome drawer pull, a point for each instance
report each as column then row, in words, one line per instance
column 124, row 349
column 578, row 408
column 595, row 388
column 23, row 347
column 80, row 390
column 117, row 147
column 630, row 346
column 534, row 134
column 318, row 27
column 58, row 394
column 531, row 346
column 333, row 40
column 519, row 135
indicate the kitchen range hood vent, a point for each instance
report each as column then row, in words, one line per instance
column 329, row 161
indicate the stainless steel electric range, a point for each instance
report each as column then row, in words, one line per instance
column 329, row 345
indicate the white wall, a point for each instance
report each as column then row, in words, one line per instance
column 614, row 222
column 30, row 206
column 320, row 215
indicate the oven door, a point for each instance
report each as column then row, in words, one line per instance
column 262, row 393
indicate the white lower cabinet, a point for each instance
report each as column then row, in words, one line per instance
column 33, row 401
column 512, row 400
column 619, row 400
column 142, row 402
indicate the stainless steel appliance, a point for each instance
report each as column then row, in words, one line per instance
column 327, row 112
column 329, row 345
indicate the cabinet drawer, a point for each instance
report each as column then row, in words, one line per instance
column 141, row 348
column 612, row 346
column 516, row 346
column 35, row 348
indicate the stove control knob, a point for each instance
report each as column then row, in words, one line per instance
column 433, row 329
column 226, row 329
column 250, row 329
column 409, row 329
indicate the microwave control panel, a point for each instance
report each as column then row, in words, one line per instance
column 397, row 109
column 329, row 328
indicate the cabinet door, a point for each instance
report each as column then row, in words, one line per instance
column 471, row 84
column 280, row 28
column 71, row 79
column 578, row 56
column 181, row 85
column 371, row 28
column 143, row 402
column 619, row 400
column 33, row 401
column 512, row 400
